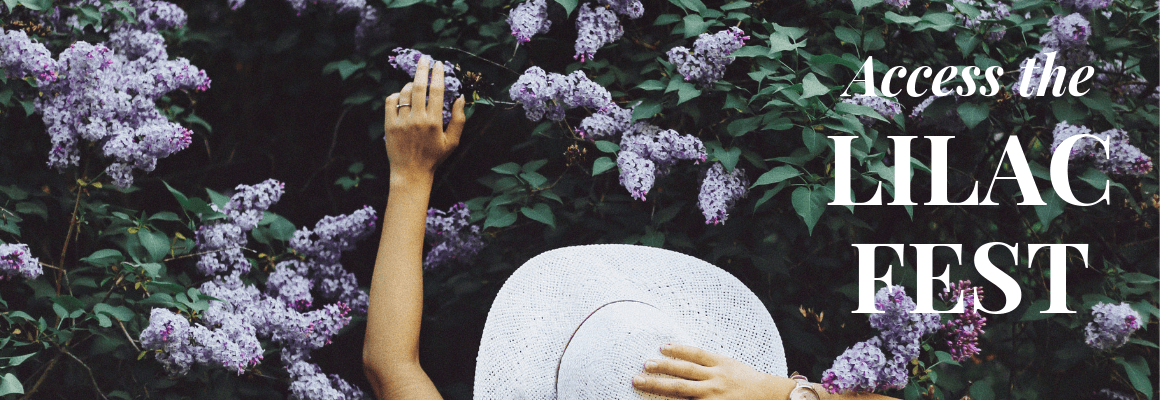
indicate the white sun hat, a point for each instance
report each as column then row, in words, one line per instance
column 579, row 322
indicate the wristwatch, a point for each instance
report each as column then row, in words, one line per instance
column 803, row 389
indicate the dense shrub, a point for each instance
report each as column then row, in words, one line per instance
column 701, row 128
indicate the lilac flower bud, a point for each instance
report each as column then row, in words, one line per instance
column 1111, row 326
column 17, row 261
column 452, row 236
column 596, row 28
column 529, row 19
column 637, row 174
column 719, row 191
column 964, row 330
column 705, row 64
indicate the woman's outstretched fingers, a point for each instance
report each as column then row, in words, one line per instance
column 678, row 368
column 667, row 386
column 419, row 88
column 390, row 110
column 435, row 102
column 404, row 101
column 690, row 353
column 458, row 118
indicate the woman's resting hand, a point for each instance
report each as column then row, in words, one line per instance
column 700, row 374
column 416, row 140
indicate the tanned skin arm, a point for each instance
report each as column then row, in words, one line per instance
column 416, row 143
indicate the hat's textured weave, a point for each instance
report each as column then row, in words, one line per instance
column 670, row 297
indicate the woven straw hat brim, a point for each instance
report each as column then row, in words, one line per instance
column 545, row 300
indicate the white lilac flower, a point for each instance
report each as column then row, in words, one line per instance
column 1111, row 326
column 705, row 63
column 529, row 19
column 452, row 236
column 595, row 28
column 17, row 261
column 720, row 190
column 883, row 106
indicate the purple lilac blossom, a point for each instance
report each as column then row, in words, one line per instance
column 1111, row 326
column 1069, row 31
column 988, row 11
column 452, row 236
column 610, row 122
column 529, row 19
column 1122, row 157
column 720, row 190
column 407, row 60
column 549, row 95
column 1119, row 82
column 106, row 94
column 888, row 109
column 637, row 174
column 595, row 28
column 17, row 261
column 705, row 64
column 964, row 330
column 632, row 9
column 1085, row 6
column 900, row 4
column 950, row 120
column 664, row 147
column 901, row 330
column 334, row 234
column 864, row 368
column 179, row 344
column 246, row 207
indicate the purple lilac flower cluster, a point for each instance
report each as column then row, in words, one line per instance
column 720, row 190
column 1121, row 83
column 1122, row 157
column 866, row 367
column 17, row 261
column 887, row 108
column 545, row 94
column 1111, row 326
column 611, row 121
column 1085, row 6
column 529, row 19
column 1067, row 39
column 965, row 328
column 648, row 152
column 950, row 120
column 705, row 63
column 229, row 331
column 106, row 93
column 452, row 236
column 407, row 60
column 595, row 28
column 988, row 11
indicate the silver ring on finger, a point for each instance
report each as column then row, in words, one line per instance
column 401, row 106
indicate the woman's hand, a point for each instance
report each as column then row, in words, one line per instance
column 699, row 374
column 416, row 140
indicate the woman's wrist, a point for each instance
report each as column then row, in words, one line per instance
column 409, row 178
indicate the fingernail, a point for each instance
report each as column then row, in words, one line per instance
column 650, row 364
column 666, row 346
column 637, row 380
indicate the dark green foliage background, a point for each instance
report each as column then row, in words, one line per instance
column 295, row 98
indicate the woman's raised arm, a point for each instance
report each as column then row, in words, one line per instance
column 416, row 144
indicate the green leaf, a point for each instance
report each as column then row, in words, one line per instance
column 736, row 5
column 860, row 4
column 646, row 109
column 607, row 147
column 651, row 85
column 972, row 114
column 602, row 165
column 687, row 92
column 742, row 126
column 569, row 5
column 499, row 217
column 401, row 3
column 727, row 157
column 776, row 175
column 694, row 25
column 1034, row 313
column 119, row 312
column 37, row 5
column 155, row 242
column 344, row 67
column 1065, row 110
column 981, row 390
column 945, row 358
column 900, row 19
column 812, row 87
column 813, row 140
column 1138, row 373
column 1053, row 206
column 934, row 20
column 510, row 168
column 860, row 110
column 278, row 226
column 780, row 42
column 534, row 179
column 165, row 216
column 540, row 212
column 967, row 41
column 104, row 257
column 809, row 204
column 10, row 384
column 17, row 360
